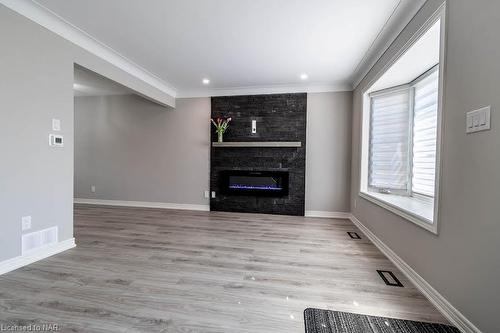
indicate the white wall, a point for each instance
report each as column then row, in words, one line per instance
column 461, row 262
column 328, row 152
column 35, row 179
column 36, row 85
column 135, row 150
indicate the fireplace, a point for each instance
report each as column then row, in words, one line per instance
column 259, row 176
column 255, row 183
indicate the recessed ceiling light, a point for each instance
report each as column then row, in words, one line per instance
column 206, row 81
column 303, row 76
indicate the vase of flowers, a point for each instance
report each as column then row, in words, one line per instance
column 221, row 125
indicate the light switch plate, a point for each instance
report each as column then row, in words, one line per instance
column 478, row 120
column 92, row 188
column 254, row 126
column 25, row 223
column 207, row 194
column 56, row 124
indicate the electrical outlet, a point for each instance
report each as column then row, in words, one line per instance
column 25, row 223
column 207, row 194
column 213, row 194
column 92, row 188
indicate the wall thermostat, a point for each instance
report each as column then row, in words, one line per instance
column 56, row 140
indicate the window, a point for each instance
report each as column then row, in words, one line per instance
column 425, row 120
column 403, row 134
column 389, row 141
column 401, row 126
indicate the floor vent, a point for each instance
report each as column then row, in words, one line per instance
column 353, row 235
column 389, row 278
column 38, row 239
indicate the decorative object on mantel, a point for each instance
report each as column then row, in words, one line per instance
column 221, row 125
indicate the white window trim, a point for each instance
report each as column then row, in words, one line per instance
column 432, row 226
column 398, row 210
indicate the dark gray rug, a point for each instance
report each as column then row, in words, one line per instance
column 325, row 321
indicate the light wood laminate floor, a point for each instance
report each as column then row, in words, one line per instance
column 154, row 270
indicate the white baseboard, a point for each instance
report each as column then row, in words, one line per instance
column 35, row 255
column 144, row 204
column 331, row 215
column 449, row 311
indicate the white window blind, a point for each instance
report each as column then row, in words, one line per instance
column 425, row 134
column 389, row 141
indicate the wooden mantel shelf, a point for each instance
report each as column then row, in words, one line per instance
column 258, row 144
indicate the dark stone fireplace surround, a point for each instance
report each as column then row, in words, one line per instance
column 280, row 117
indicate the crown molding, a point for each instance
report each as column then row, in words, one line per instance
column 401, row 16
column 53, row 22
column 263, row 90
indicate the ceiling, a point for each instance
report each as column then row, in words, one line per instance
column 237, row 44
column 87, row 83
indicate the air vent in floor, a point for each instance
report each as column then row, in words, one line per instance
column 38, row 239
column 389, row 278
column 353, row 235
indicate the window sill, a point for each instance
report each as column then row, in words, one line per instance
column 414, row 210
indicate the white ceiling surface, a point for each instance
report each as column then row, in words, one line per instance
column 243, row 44
column 87, row 83
column 419, row 58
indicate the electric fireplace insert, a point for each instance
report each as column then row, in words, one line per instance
column 258, row 183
